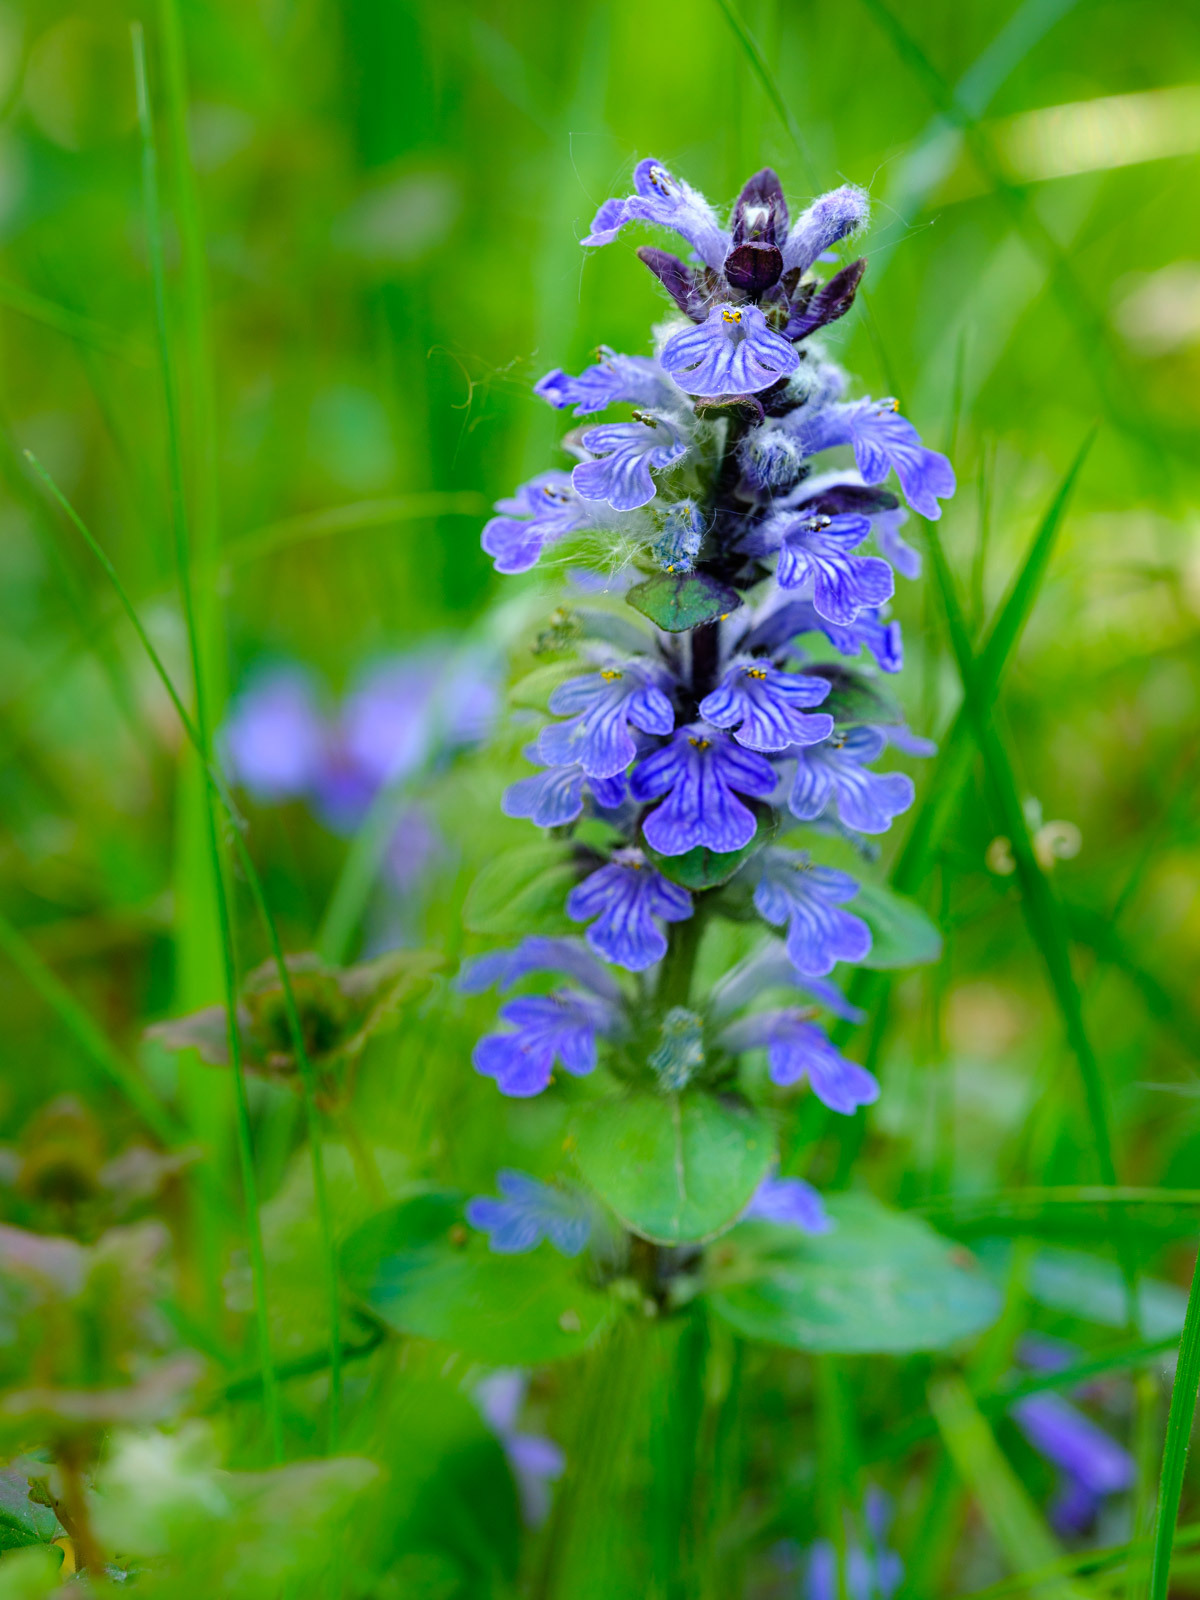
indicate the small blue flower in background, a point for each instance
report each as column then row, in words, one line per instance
column 626, row 895
column 554, row 797
column 530, row 1212
column 818, row 550
column 633, row 380
column 871, row 1574
column 545, row 1028
column 797, row 1048
column 733, row 351
column 698, row 773
column 809, row 900
column 625, row 453
column 535, row 1461
column 275, row 740
column 790, row 1202
column 765, row 707
column 600, row 704
column 542, row 511
column 1091, row 1464
column 836, row 771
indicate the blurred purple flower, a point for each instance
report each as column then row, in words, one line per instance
column 790, row 1202
column 275, row 738
column 796, row 1048
column 530, row 1212
column 547, row 1028
column 536, row 1462
column 873, row 1574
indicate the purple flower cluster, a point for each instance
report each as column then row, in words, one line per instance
column 686, row 754
column 282, row 741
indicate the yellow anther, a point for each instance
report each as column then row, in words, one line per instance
column 610, row 674
column 731, row 315
column 699, row 744
column 756, row 672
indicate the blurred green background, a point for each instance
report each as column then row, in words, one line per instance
column 371, row 234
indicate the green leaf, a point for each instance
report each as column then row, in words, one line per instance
column 674, row 1168
column 22, row 1520
column 682, row 600
column 902, row 935
column 522, row 891
column 1093, row 1289
column 423, row 1272
column 879, row 1282
column 854, row 696
column 702, row 868
column 533, row 691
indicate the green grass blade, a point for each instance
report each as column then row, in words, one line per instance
column 1008, row 1511
column 1003, row 637
column 219, row 794
column 762, row 71
column 225, row 927
column 87, row 1035
column 1175, row 1451
column 1044, row 914
column 65, row 321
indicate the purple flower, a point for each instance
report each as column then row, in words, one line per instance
column 797, row 1048
column 837, row 770
column 882, row 440
column 818, row 550
column 680, row 537
column 600, row 706
column 827, row 220
column 731, row 352
column 546, row 1028
column 536, row 1462
column 763, row 704
column 873, row 1574
column 626, row 896
column 787, row 622
column 627, row 451
column 904, row 558
column 530, row 1212
column 790, row 1202
column 541, row 512
column 554, row 797
column 275, row 740
column 699, row 772
column 537, row 953
column 666, row 200
column 769, row 967
column 809, row 899
column 1092, row 1464
column 635, row 380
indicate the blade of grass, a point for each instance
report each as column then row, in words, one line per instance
column 87, row 1035
column 1175, row 1451
column 995, row 1401
column 225, row 928
column 65, row 321
column 1044, row 914
column 1008, row 1511
column 760, row 69
column 220, row 795
column 1088, row 1562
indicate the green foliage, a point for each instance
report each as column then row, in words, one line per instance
column 680, row 601
column 674, row 1168
column 878, row 1282
column 521, row 891
column 902, row 934
column 419, row 1269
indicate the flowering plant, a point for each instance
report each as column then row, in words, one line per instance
column 712, row 720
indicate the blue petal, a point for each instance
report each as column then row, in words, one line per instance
column 732, row 352
column 550, row 799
